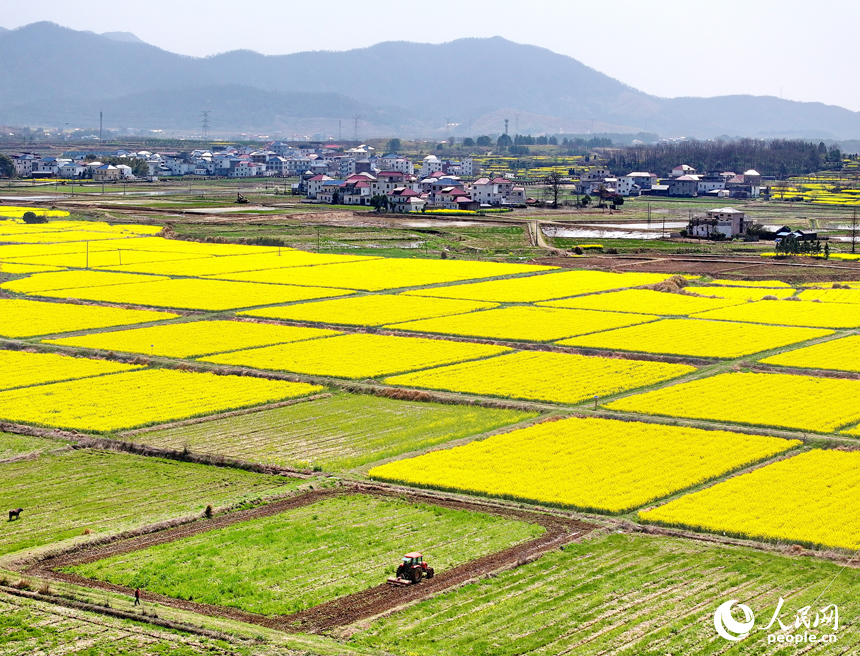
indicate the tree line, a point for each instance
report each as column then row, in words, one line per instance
column 781, row 158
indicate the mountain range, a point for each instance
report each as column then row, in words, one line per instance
column 465, row 87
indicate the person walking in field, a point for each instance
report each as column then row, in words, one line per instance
column 137, row 597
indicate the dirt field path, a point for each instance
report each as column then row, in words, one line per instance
column 346, row 610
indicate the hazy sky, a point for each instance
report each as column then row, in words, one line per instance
column 798, row 49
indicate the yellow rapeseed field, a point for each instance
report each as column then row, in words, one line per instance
column 808, row 499
column 60, row 237
column 790, row 313
column 781, row 400
column 18, row 212
column 751, row 283
column 837, row 354
column 138, row 398
column 544, row 287
column 197, row 294
column 193, row 339
column 388, row 273
column 831, row 295
column 358, row 355
column 11, row 267
column 19, row 368
column 741, row 293
column 43, row 282
column 111, row 253
column 645, row 301
column 538, row 376
column 217, row 265
column 371, row 310
column 524, row 323
column 25, row 318
column 590, row 464
column 697, row 338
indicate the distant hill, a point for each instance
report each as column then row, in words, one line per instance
column 395, row 87
column 126, row 37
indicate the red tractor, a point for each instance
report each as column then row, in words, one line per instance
column 411, row 570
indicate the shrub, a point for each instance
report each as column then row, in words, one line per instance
column 32, row 217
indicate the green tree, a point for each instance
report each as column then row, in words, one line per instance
column 379, row 202
column 394, row 145
column 468, row 142
column 7, row 167
column 504, row 141
column 484, row 140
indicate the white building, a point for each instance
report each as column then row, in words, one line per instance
column 683, row 169
column 431, row 164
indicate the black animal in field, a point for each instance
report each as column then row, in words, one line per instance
column 15, row 514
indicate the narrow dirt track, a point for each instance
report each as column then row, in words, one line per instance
column 345, row 610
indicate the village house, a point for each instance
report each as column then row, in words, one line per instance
column 726, row 221
column 106, row 173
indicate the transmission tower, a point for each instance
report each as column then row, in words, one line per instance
column 355, row 128
column 506, row 126
column 517, row 124
column 101, row 123
column 205, row 125
column 447, row 124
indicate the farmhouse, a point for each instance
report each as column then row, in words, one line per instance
column 726, row 221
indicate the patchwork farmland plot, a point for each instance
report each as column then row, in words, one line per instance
column 389, row 273
column 8, row 267
column 697, row 338
column 357, row 355
column 810, row 498
column 309, row 555
column 63, row 495
column 646, row 301
column 620, row 594
column 371, row 310
column 336, row 433
column 778, row 284
column 828, row 404
column 741, row 293
column 193, row 339
column 32, row 627
column 22, row 369
column 836, row 354
column 12, row 446
column 537, row 376
column 831, row 295
column 139, row 398
column 525, row 323
column 43, row 282
column 196, row 294
column 112, row 253
column 25, row 318
column 544, row 287
column 212, row 266
column 592, row 464
column 831, row 315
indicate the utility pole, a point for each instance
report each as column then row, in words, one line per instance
column 854, row 232
column 339, row 130
column 101, row 124
column 205, row 125
column 447, row 125
column 517, row 123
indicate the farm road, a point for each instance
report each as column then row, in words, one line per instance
column 340, row 612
